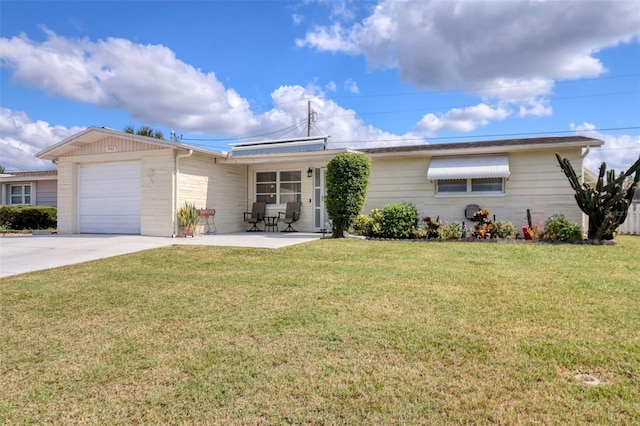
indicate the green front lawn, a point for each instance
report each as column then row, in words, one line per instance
column 330, row 332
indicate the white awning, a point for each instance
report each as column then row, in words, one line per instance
column 468, row 167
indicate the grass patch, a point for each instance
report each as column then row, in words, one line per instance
column 329, row 332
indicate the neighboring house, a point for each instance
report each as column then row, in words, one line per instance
column 31, row 188
column 114, row 182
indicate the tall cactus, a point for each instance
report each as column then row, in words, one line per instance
column 606, row 204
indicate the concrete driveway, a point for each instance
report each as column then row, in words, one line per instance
column 20, row 254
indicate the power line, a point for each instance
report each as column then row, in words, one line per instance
column 289, row 128
column 463, row 90
column 492, row 104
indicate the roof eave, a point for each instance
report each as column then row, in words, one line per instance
column 284, row 157
column 93, row 134
column 469, row 149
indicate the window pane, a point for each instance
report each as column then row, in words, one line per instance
column 266, row 188
column 453, row 185
column 290, row 187
column 27, row 199
column 16, row 199
column 287, row 198
column 290, row 176
column 16, row 190
column 266, row 198
column 27, row 189
column 266, row 177
column 486, row 185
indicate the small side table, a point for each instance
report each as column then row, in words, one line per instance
column 271, row 223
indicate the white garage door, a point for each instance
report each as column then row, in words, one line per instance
column 109, row 198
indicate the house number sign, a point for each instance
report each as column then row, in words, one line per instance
column 112, row 148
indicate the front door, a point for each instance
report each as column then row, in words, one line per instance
column 320, row 217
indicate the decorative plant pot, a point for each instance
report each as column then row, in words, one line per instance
column 187, row 231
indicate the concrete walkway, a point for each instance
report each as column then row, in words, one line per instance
column 20, row 254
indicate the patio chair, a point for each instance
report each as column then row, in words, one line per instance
column 291, row 215
column 255, row 216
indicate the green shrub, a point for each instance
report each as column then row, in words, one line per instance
column 28, row 217
column 503, row 229
column 451, row 231
column 369, row 225
column 400, row 219
column 363, row 225
column 419, row 233
column 347, row 181
column 557, row 227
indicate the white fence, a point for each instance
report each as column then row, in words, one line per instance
column 632, row 224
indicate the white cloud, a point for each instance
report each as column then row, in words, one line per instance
column 329, row 38
column 21, row 138
column 467, row 44
column 297, row 19
column 331, row 86
column 118, row 74
column 461, row 119
column 345, row 128
column 351, row 86
column 619, row 152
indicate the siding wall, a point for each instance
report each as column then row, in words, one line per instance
column 46, row 193
column 67, row 197
column 219, row 186
column 305, row 224
column 157, row 168
column 536, row 183
column 114, row 145
column 156, row 205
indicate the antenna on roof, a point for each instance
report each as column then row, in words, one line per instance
column 174, row 137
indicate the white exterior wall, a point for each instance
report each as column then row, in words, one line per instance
column 305, row 224
column 157, row 202
column 157, row 170
column 536, row 183
column 67, row 196
column 223, row 187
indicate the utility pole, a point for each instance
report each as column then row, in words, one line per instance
column 308, row 117
column 311, row 117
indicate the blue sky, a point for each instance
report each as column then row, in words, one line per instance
column 376, row 73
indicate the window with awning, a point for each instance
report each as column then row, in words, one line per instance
column 473, row 174
column 496, row 166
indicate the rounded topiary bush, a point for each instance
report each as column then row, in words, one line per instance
column 347, row 181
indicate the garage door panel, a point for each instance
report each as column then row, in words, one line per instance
column 109, row 198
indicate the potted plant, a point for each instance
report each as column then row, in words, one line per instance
column 188, row 219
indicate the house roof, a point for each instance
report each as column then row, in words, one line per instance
column 94, row 134
column 29, row 175
column 492, row 146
